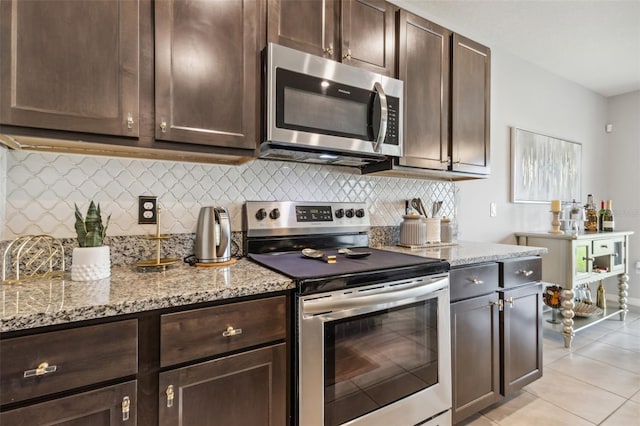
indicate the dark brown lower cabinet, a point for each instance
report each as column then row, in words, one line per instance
column 475, row 350
column 248, row 388
column 108, row 406
column 521, row 337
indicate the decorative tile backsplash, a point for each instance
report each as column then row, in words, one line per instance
column 41, row 189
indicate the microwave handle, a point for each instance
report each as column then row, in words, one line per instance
column 384, row 117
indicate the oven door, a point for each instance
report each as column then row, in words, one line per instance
column 375, row 355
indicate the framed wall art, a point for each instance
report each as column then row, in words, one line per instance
column 544, row 168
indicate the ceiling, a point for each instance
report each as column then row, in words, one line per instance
column 593, row 43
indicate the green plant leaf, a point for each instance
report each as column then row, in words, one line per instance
column 81, row 230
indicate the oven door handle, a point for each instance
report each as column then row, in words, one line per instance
column 375, row 297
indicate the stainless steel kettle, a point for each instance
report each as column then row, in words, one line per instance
column 213, row 235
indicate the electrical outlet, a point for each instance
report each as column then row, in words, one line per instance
column 492, row 210
column 147, row 209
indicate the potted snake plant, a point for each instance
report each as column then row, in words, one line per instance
column 91, row 260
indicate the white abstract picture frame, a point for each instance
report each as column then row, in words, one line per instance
column 544, row 168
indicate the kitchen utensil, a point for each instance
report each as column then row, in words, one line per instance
column 213, row 235
column 317, row 254
column 417, row 204
column 435, row 208
column 353, row 254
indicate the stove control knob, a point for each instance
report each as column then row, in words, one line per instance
column 340, row 213
column 360, row 213
column 261, row 214
column 274, row 214
column 349, row 213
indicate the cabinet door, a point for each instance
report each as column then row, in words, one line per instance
column 582, row 259
column 244, row 389
column 475, row 355
column 521, row 337
column 308, row 26
column 108, row 406
column 70, row 65
column 423, row 55
column 470, row 105
column 207, row 72
column 368, row 35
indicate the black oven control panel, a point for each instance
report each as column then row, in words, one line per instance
column 269, row 218
column 313, row 214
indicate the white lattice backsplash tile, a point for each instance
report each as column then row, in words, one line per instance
column 41, row 190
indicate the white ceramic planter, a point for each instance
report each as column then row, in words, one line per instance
column 90, row 263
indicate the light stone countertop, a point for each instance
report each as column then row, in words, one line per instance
column 469, row 252
column 45, row 302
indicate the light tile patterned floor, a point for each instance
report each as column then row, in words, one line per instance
column 596, row 382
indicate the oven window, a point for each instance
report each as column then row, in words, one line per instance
column 376, row 359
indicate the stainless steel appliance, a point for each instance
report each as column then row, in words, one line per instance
column 322, row 111
column 373, row 332
column 213, row 235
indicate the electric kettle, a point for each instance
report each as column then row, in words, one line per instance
column 213, row 235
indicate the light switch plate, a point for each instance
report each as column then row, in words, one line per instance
column 147, row 209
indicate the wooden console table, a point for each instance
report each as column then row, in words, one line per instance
column 581, row 259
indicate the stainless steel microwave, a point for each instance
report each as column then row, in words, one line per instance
column 322, row 111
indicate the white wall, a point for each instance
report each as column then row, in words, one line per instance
column 531, row 98
column 624, row 178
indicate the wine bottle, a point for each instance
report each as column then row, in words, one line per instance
column 601, row 298
column 608, row 223
column 591, row 215
column 600, row 214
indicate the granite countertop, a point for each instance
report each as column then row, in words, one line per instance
column 568, row 235
column 469, row 252
column 45, row 302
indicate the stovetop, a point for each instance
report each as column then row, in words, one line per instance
column 315, row 275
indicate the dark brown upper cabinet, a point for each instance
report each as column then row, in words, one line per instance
column 470, row 106
column 360, row 33
column 368, row 33
column 207, row 72
column 424, row 66
column 70, row 65
column 309, row 26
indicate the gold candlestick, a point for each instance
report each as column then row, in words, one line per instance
column 157, row 262
column 555, row 223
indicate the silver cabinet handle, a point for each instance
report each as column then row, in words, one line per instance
column 384, row 117
column 163, row 126
column 591, row 259
column 499, row 303
column 126, row 404
column 129, row 121
column 348, row 55
column 328, row 50
column 525, row 273
column 43, row 368
column 170, row 396
column 509, row 301
column 476, row 281
column 604, row 246
column 230, row 331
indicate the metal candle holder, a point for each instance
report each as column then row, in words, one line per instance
column 157, row 262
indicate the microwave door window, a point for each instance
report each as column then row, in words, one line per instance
column 324, row 114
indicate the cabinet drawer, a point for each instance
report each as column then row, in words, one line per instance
column 473, row 280
column 514, row 272
column 201, row 333
column 602, row 247
column 75, row 357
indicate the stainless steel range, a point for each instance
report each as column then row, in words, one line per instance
column 372, row 326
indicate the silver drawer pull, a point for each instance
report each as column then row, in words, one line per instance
column 499, row 303
column 590, row 259
column 604, row 246
column 476, row 281
column 43, row 368
column 525, row 273
column 230, row 331
column 126, row 404
column 170, row 395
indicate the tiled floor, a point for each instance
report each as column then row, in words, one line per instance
column 597, row 382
